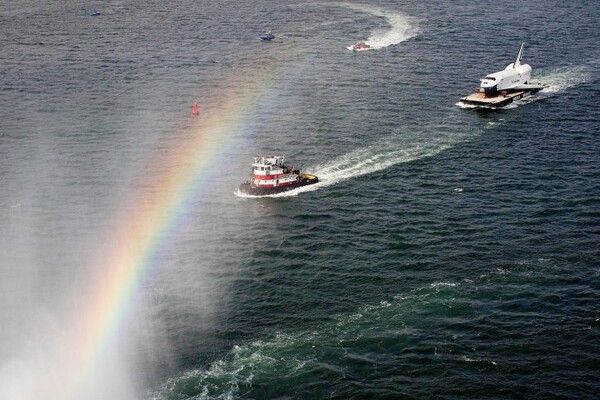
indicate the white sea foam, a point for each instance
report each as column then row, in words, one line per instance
column 401, row 26
column 480, row 360
column 465, row 105
column 442, row 284
column 376, row 157
column 293, row 354
column 560, row 79
column 556, row 80
column 291, row 193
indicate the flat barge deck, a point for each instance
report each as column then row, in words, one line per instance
column 482, row 100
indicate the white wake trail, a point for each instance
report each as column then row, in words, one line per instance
column 375, row 158
column 560, row 79
column 401, row 26
column 365, row 161
column 556, row 80
column 406, row 144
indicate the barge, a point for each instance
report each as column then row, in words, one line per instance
column 504, row 87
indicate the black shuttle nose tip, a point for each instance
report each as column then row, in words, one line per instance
column 491, row 90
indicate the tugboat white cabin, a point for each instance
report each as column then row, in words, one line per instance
column 270, row 171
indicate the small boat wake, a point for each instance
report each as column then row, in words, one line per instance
column 401, row 27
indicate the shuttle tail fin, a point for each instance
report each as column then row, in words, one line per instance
column 519, row 56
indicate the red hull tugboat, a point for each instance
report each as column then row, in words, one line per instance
column 270, row 175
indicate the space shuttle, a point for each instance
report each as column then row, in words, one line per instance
column 514, row 77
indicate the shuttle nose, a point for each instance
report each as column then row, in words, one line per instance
column 490, row 90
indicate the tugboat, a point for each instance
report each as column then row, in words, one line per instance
column 360, row 46
column 270, row 175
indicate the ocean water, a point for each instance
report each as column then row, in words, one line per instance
column 445, row 253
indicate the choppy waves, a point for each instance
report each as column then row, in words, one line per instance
column 417, row 333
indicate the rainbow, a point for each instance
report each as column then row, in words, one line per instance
column 158, row 213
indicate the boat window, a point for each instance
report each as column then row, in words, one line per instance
column 491, row 78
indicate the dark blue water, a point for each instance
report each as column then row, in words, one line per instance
column 446, row 253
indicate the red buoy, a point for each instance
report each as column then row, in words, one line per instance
column 195, row 108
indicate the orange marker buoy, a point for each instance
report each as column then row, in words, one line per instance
column 195, row 108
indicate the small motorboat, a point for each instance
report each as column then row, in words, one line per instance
column 94, row 13
column 267, row 36
column 360, row 46
column 270, row 176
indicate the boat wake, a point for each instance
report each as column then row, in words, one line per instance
column 294, row 192
column 401, row 27
column 556, row 80
column 410, row 143
column 406, row 144
column 559, row 79
column 291, row 193
column 347, row 338
column 466, row 106
column 291, row 356
column 374, row 158
column 378, row 157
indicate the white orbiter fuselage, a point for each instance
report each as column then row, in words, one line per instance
column 514, row 77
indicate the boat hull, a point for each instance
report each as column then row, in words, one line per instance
column 305, row 180
column 482, row 100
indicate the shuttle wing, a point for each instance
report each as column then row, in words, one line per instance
column 527, row 86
